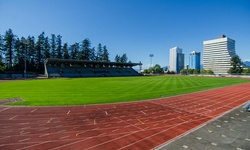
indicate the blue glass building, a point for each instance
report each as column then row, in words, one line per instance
column 195, row 60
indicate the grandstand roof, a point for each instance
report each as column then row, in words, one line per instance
column 72, row 61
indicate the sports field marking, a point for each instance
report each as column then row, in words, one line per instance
column 64, row 137
column 143, row 112
column 106, row 112
column 94, row 121
column 68, row 112
column 133, row 113
column 181, row 119
column 24, row 140
column 140, row 121
column 5, row 109
column 33, row 110
column 13, row 117
column 49, row 120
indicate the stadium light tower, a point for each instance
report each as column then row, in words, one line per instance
column 151, row 56
column 25, row 42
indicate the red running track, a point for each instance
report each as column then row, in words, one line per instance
column 134, row 125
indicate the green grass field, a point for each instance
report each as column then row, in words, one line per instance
column 77, row 91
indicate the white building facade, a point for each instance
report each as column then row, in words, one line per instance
column 217, row 54
column 176, row 60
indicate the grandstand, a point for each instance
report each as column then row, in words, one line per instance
column 83, row 68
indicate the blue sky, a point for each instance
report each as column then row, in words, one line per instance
column 135, row 27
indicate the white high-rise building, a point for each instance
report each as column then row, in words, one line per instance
column 217, row 54
column 176, row 60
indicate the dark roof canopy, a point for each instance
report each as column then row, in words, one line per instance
column 86, row 62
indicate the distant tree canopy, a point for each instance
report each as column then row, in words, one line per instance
column 236, row 64
column 122, row 59
column 15, row 51
column 156, row 69
column 210, row 72
column 190, row 71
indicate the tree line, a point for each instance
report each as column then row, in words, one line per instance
column 14, row 51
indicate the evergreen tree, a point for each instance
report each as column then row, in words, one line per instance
column 39, row 58
column 92, row 55
column 59, row 46
column 31, row 53
column 53, row 46
column 2, row 68
column 99, row 52
column 84, row 54
column 236, row 64
column 124, row 58
column 19, row 49
column 74, row 51
column 8, row 47
column 1, row 45
column 65, row 51
column 46, row 48
column 105, row 55
column 117, row 58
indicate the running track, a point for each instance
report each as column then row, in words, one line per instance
column 134, row 125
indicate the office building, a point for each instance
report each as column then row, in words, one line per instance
column 194, row 60
column 217, row 54
column 176, row 63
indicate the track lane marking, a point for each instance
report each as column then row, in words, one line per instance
column 33, row 110
column 5, row 109
column 140, row 121
column 49, row 120
column 68, row 112
column 24, row 140
column 13, row 117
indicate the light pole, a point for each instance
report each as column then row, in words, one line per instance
column 151, row 56
column 25, row 42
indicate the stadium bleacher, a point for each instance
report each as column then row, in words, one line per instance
column 80, row 68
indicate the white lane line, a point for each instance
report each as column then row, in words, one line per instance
column 24, row 123
column 5, row 109
column 24, row 148
column 102, row 134
column 143, row 112
column 33, row 110
column 64, row 137
column 106, row 113
column 68, row 112
column 24, row 140
column 13, row 117
column 61, row 131
column 115, row 130
column 80, row 133
column 44, row 135
column 49, row 120
column 140, row 121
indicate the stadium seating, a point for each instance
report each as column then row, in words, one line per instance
column 83, row 68
column 56, row 71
